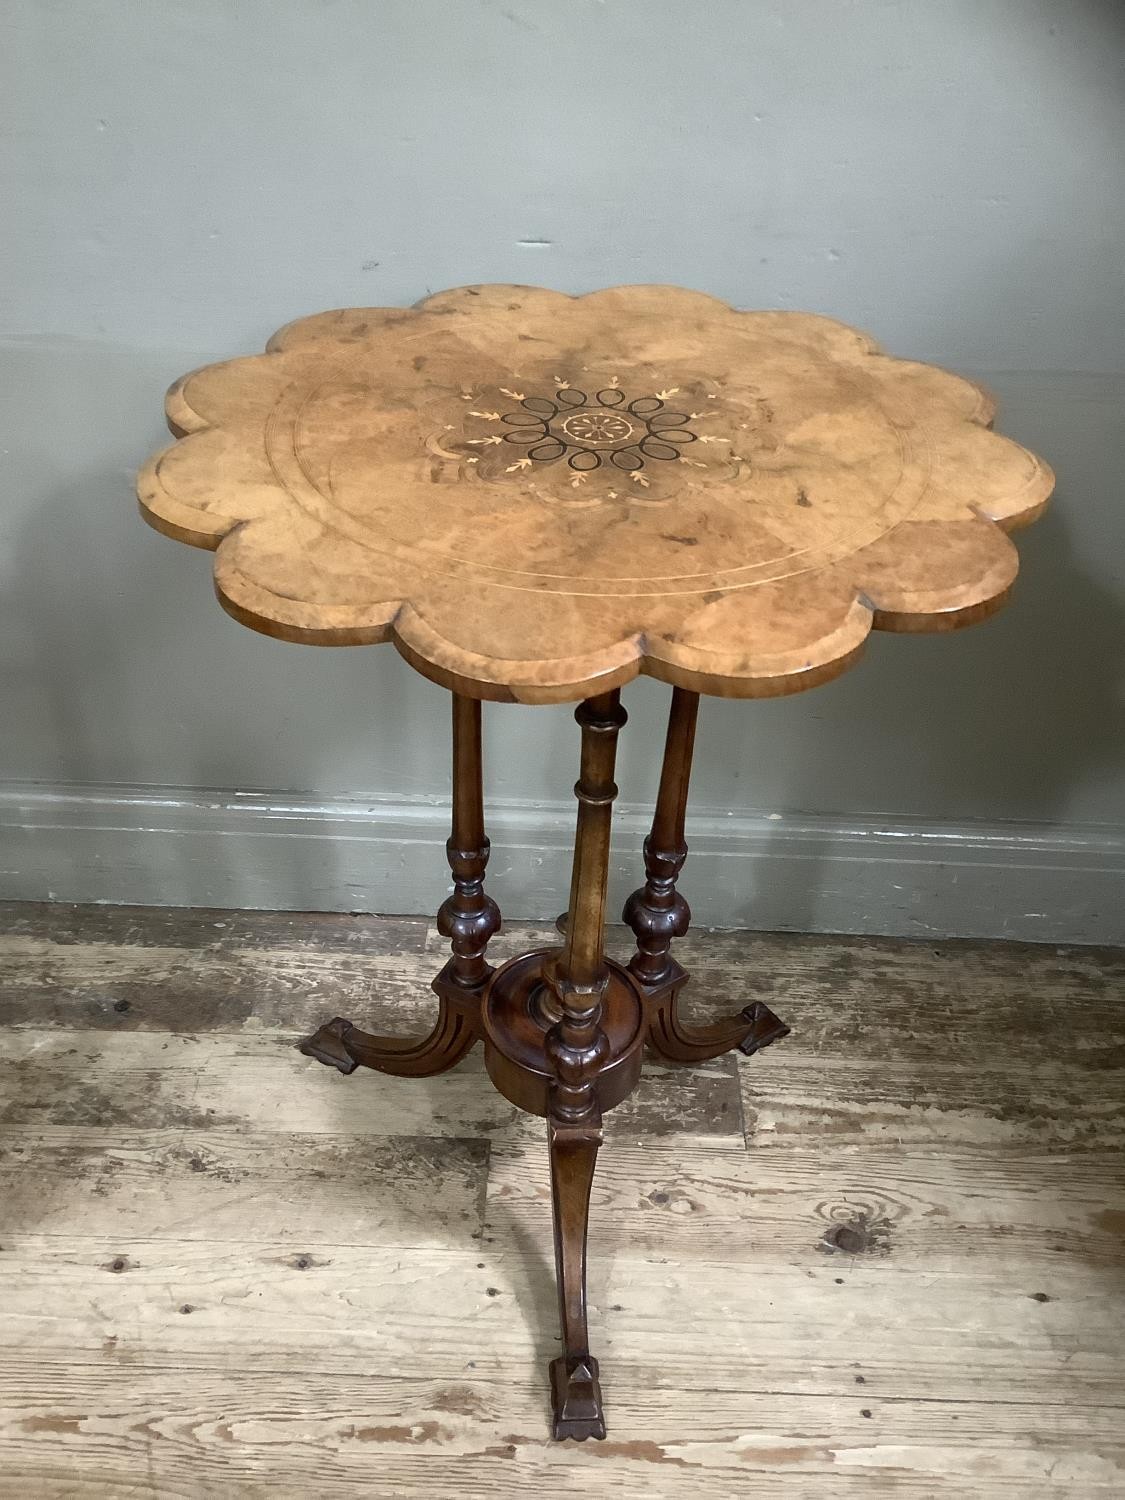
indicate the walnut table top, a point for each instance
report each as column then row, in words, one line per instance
column 537, row 496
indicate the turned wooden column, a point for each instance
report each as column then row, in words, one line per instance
column 575, row 1044
column 468, row 917
column 657, row 912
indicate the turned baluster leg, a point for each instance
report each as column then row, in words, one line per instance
column 657, row 913
column 577, row 1049
column 468, row 918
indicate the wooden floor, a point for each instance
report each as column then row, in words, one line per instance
column 886, row 1257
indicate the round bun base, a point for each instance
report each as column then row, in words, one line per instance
column 515, row 1034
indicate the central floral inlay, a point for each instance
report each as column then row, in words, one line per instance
column 597, row 427
column 591, row 430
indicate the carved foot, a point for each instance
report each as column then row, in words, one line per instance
column 765, row 1029
column 678, row 1041
column 327, row 1045
column 342, row 1045
column 576, row 1397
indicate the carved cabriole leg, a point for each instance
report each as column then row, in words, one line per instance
column 578, row 1049
column 576, row 1394
column 468, row 918
column 657, row 913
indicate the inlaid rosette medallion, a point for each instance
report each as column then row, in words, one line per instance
column 537, row 496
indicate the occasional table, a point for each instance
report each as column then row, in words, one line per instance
column 537, row 497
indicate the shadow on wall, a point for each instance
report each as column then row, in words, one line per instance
column 123, row 671
column 128, row 673
column 1020, row 709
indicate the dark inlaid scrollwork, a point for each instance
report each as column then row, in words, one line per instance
column 589, row 431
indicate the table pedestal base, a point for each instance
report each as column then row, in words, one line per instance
column 564, row 1028
column 519, row 1012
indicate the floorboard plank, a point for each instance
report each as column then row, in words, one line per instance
column 218, row 1186
column 898, row 1210
column 341, row 1435
column 144, row 1080
column 801, row 1096
column 350, row 1309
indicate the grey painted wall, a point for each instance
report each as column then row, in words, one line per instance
column 180, row 179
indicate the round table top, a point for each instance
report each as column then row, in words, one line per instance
column 537, row 496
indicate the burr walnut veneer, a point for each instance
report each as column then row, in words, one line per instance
column 537, row 497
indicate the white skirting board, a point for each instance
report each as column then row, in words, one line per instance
column 900, row 877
